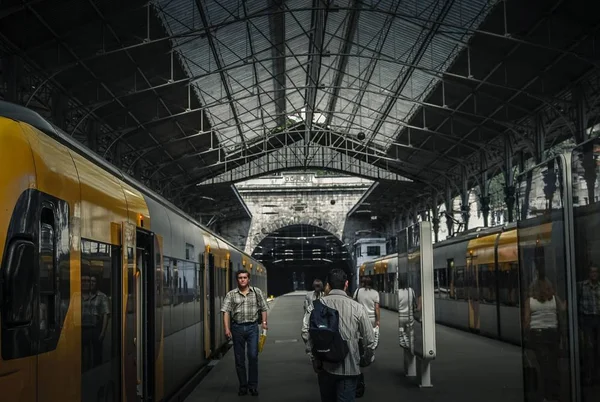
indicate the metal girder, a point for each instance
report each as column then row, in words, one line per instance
column 139, row 71
column 277, row 31
column 74, row 55
column 524, row 87
column 282, row 159
column 403, row 79
column 315, row 51
column 219, row 62
column 386, row 27
column 351, row 26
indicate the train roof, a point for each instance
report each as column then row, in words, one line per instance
column 25, row 115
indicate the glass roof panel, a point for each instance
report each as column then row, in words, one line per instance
column 392, row 63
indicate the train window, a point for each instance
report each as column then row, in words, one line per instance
column 486, row 279
column 98, row 303
column 189, row 252
column 47, row 274
column 459, row 283
column 19, row 284
column 441, row 283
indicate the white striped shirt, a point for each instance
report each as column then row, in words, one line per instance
column 354, row 324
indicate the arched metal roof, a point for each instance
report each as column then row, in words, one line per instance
column 187, row 93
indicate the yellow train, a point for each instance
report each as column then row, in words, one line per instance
column 107, row 291
column 476, row 281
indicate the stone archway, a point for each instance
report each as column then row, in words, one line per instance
column 270, row 226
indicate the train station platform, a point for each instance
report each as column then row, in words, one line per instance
column 468, row 367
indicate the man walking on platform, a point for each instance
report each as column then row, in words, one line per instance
column 338, row 377
column 247, row 307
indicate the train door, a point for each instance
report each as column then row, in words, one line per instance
column 145, row 346
column 130, row 361
column 472, row 285
column 212, row 286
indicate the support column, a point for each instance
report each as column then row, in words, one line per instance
column 581, row 118
column 509, row 187
column 484, row 187
column 464, row 208
column 540, row 139
column 449, row 212
column 581, row 135
column 424, row 214
column 550, row 183
column 435, row 218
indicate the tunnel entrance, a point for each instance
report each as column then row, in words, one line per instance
column 298, row 254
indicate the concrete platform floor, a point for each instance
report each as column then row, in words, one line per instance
column 468, row 367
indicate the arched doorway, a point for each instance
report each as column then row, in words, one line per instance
column 295, row 255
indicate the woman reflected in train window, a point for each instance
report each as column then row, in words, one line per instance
column 542, row 336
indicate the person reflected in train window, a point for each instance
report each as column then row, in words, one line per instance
column 588, row 297
column 317, row 293
column 87, row 324
column 542, row 336
column 408, row 308
column 246, row 306
column 98, row 311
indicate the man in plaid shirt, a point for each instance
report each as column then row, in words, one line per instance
column 246, row 306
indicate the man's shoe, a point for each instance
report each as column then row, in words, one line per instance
column 242, row 391
column 254, row 392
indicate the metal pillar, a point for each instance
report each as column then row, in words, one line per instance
column 540, row 139
column 449, row 212
column 464, row 208
column 435, row 218
column 581, row 135
column 484, row 186
column 509, row 185
column 581, row 119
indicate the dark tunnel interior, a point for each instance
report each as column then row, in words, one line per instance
column 298, row 254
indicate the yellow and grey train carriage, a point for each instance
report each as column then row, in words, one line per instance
column 476, row 282
column 107, row 291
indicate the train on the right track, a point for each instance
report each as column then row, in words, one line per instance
column 475, row 280
column 478, row 282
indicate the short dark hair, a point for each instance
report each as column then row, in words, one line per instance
column 337, row 279
column 241, row 271
column 368, row 282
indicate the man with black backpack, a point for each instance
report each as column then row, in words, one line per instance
column 332, row 329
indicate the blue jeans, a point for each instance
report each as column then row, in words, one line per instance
column 337, row 388
column 246, row 334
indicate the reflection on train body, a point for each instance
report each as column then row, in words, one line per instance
column 585, row 166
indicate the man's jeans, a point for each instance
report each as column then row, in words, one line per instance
column 337, row 388
column 246, row 334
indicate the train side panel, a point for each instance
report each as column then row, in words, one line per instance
column 17, row 176
column 59, row 360
column 161, row 225
column 190, row 353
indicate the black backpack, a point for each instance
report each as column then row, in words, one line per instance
column 328, row 345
